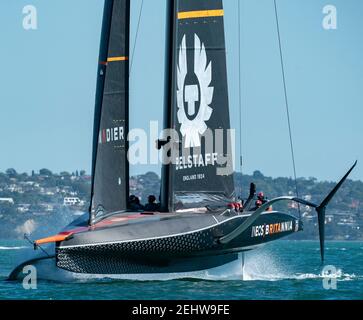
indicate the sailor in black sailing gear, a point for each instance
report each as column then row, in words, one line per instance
column 152, row 206
column 262, row 197
column 258, row 205
column 134, row 203
column 260, row 201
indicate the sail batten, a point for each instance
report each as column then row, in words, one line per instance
column 110, row 166
column 200, row 14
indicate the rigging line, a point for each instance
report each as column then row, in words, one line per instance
column 287, row 103
column 26, row 237
column 239, row 88
column 136, row 37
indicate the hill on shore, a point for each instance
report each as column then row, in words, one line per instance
column 37, row 203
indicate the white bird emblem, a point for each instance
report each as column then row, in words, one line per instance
column 193, row 129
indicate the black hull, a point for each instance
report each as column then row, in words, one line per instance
column 168, row 243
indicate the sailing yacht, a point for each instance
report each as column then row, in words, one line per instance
column 199, row 225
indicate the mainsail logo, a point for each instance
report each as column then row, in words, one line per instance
column 111, row 135
column 271, row 229
column 194, row 99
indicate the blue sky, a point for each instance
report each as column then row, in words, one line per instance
column 48, row 80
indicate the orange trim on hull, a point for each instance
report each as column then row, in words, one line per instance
column 61, row 236
column 57, row 238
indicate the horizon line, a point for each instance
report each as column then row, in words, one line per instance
column 73, row 173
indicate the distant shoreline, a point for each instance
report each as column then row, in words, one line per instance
column 43, row 202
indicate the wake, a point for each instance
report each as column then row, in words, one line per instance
column 12, row 248
column 258, row 267
column 265, row 267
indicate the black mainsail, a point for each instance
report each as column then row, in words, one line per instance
column 202, row 169
column 110, row 170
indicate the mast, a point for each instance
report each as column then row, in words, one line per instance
column 169, row 96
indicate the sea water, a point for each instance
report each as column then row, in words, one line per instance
column 280, row 270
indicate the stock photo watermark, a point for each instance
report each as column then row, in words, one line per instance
column 211, row 148
column 330, row 281
column 30, row 279
column 30, row 18
column 330, row 20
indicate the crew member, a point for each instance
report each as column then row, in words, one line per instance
column 258, row 205
column 152, row 206
column 261, row 197
column 134, row 203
